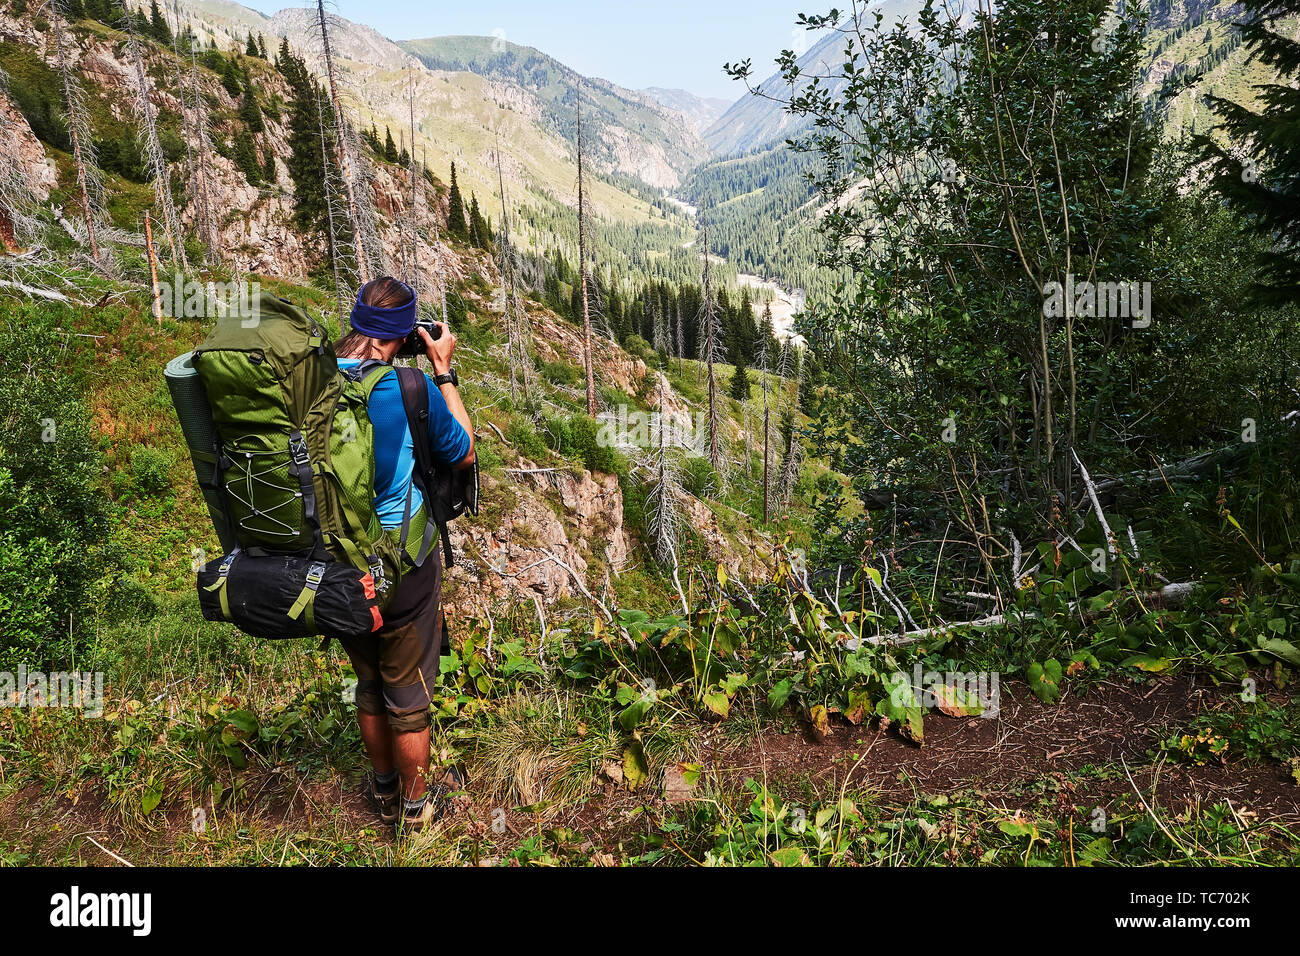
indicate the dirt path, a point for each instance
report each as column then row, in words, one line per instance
column 1092, row 749
column 998, row 758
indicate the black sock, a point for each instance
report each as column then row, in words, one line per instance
column 384, row 782
column 412, row 808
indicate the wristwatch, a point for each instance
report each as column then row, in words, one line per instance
column 448, row 377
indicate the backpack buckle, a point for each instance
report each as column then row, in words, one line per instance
column 377, row 574
column 316, row 574
column 298, row 451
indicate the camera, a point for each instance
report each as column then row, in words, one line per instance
column 414, row 345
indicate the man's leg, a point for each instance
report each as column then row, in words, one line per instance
column 408, row 667
column 372, row 719
column 412, row 753
column 378, row 738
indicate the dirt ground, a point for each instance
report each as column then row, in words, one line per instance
column 1089, row 750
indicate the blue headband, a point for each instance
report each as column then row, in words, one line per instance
column 395, row 323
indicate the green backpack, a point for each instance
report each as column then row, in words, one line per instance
column 295, row 477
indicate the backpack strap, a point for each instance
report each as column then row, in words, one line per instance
column 415, row 399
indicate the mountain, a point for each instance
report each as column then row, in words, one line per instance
column 1194, row 49
column 753, row 122
column 636, row 147
column 700, row 111
column 627, row 132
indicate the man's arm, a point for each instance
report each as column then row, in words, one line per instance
column 439, row 352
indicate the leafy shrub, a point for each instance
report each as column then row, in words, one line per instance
column 54, row 522
column 578, row 437
column 560, row 373
column 523, row 435
column 150, row 471
column 700, row 478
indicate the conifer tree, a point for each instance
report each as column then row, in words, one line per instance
column 1258, row 172
column 740, row 386
column 158, row 27
column 456, row 225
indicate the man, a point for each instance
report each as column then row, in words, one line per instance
column 397, row 666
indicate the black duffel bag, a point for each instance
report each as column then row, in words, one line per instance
column 288, row 596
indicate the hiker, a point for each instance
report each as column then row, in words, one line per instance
column 397, row 665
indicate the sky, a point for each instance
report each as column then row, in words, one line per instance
column 670, row 43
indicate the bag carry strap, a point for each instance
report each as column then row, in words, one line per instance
column 415, row 399
column 302, row 469
column 303, row 606
column 223, row 572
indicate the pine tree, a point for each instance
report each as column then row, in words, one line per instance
column 250, row 48
column 740, row 387
column 480, row 231
column 1259, row 172
column 245, row 157
column 230, row 78
column 390, row 148
column 250, row 112
column 261, row 46
column 158, row 28
column 456, row 224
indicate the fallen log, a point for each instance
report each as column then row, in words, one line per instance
column 1170, row 597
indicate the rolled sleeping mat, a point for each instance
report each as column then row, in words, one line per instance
column 195, row 415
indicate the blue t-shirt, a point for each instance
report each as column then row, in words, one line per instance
column 394, row 450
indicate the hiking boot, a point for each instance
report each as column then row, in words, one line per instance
column 435, row 805
column 385, row 804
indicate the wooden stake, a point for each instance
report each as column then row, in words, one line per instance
column 153, row 268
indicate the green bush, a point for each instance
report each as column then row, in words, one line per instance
column 523, row 435
column 150, row 472
column 700, row 478
column 578, row 437
column 54, row 522
column 561, row 373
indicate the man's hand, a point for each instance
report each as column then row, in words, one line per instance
column 439, row 350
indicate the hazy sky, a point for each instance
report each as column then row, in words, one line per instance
column 672, row 43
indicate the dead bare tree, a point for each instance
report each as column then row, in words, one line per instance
column 344, row 159
column 790, row 362
column 663, row 522
column 154, row 157
column 198, row 149
column 18, row 199
column 516, row 330
column 437, row 244
column 414, row 173
column 89, row 178
column 341, row 252
column 681, row 336
column 764, row 363
column 713, row 350
column 587, row 358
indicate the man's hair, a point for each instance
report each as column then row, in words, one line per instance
column 385, row 292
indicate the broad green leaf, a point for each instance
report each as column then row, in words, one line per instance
column 1283, row 650
column 1146, row 662
column 150, row 799
column 634, row 766
column 718, row 702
